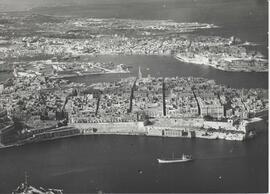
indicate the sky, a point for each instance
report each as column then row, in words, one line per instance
column 24, row 5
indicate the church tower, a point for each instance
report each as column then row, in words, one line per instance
column 15, row 71
column 139, row 73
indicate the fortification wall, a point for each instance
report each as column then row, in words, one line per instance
column 120, row 127
column 181, row 122
column 154, row 131
column 169, row 127
column 194, row 123
column 217, row 125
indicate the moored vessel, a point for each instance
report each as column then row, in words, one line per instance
column 184, row 158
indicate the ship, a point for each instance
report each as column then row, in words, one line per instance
column 184, row 158
column 26, row 188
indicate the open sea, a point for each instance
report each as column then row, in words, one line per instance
column 128, row 163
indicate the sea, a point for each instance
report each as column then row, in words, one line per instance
column 109, row 163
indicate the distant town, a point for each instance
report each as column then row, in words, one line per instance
column 57, row 38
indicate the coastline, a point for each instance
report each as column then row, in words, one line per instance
column 197, row 61
column 205, row 61
column 138, row 129
column 85, row 74
column 108, row 133
column 27, row 143
column 210, row 137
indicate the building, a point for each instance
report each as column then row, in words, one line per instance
column 211, row 108
column 8, row 135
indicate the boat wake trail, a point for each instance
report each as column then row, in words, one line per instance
column 71, row 171
column 220, row 157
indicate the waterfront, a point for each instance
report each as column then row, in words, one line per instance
column 128, row 164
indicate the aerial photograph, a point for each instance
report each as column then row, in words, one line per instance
column 134, row 96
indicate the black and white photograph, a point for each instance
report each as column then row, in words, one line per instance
column 134, row 96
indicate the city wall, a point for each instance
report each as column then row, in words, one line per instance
column 194, row 123
column 111, row 128
column 168, row 127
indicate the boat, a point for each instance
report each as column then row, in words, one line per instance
column 184, row 158
column 26, row 188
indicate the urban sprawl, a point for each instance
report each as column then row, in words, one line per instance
column 45, row 38
column 179, row 106
column 37, row 104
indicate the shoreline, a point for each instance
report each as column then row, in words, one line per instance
column 187, row 60
column 2, row 147
column 200, row 62
column 86, row 74
column 135, row 129
column 34, row 142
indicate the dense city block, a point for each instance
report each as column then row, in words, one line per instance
column 37, row 108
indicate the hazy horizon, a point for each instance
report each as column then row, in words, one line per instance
column 26, row 5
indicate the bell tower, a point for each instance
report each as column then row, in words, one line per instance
column 139, row 73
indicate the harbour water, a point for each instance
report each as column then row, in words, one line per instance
column 163, row 66
column 128, row 163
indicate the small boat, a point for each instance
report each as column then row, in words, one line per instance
column 184, row 158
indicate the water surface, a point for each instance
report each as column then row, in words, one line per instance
column 128, row 164
column 160, row 66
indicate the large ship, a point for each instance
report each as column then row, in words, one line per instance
column 184, row 158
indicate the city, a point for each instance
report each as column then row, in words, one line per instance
column 49, row 108
column 64, row 38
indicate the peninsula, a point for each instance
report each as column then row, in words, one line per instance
column 41, row 108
